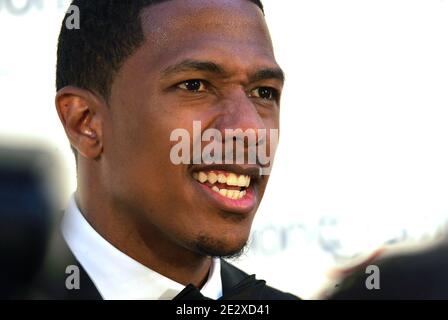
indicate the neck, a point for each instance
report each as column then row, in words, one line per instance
column 135, row 236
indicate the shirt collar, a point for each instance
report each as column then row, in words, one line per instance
column 118, row 276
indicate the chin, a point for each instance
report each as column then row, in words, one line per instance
column 220, row 247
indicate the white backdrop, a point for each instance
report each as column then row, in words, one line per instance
column 363, row 158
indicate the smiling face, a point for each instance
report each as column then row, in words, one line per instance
column 208, row 61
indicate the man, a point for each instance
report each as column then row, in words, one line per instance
column 141, row 226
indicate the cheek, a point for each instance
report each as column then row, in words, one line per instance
column 138, row 160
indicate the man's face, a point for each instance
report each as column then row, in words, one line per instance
column 201, row 61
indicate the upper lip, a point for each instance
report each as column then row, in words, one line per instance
column 252, row 171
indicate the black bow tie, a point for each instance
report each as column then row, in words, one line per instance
column 248, row 289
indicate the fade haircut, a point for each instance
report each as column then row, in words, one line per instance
column 111, row 30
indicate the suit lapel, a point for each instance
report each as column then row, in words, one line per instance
column 230, row 276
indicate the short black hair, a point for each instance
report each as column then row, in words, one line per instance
column 111, row 30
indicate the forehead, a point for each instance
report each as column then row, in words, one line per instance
column 229, row 32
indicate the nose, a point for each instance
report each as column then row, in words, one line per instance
column 241, row 126
column 239, row 112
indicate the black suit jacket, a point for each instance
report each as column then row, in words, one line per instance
column 50, row 284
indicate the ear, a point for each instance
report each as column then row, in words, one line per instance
column 80, row 112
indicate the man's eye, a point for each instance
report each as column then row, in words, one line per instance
column 265, row 93
column 193, row 85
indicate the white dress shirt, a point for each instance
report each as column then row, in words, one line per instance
column 118, row 276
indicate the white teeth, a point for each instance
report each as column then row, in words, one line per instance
column 231, row 179
column 232, row 194
column 222, row 178
column 202, row 177
column 242, row 181
column 212, row 178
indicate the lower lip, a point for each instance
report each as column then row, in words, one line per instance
column 243, row 206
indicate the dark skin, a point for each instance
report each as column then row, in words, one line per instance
column 128, row 189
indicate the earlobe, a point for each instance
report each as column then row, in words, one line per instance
column 80, row 113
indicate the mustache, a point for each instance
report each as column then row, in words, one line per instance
column 229, row 152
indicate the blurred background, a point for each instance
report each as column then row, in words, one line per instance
column 363, row 157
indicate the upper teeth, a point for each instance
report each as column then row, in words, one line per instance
column 231, row 179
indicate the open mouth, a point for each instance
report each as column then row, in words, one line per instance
column 227, row 184
column 231, row 188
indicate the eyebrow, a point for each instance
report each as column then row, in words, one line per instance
column 268, row 73
column 211, row 67
column 193, row 65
